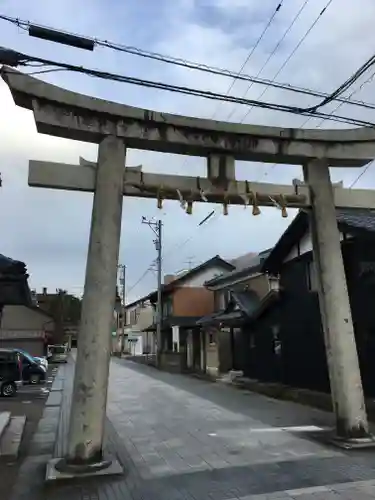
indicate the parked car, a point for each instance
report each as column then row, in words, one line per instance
column 42, row 361
column 58, row 353
column 32, row 371
column 38, row 359
column 10, row 372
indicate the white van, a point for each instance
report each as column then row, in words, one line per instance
column 57, row 353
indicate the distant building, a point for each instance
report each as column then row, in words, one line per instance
column 26, row 327
column 22, row 323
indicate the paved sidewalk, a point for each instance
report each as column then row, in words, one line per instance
column 181, row 438
column 203, row 440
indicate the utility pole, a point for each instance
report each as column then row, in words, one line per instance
column 122, row 268
column 156, row 227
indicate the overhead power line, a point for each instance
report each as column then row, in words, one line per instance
column 188, row 64
column 172, row 250
column 235, row 78
column 347, row 84
column 14, row 58
column 291, row 55
column 140, row 279
column 355, row 91
column 275, row 49
column 240, row 76
column 361, row 175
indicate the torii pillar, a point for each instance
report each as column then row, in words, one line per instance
column 342, row 358
column 88, row 410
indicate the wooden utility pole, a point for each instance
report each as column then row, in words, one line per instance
column 156, row 227
column 122, row 267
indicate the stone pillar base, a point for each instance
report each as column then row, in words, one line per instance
column 353, row 443
column 58, row 469
column 330, row 437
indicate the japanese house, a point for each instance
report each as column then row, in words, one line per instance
column 240, row 296
column 185, row 300
column 287, row 340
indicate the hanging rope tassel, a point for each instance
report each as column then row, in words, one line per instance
column 181, row 199
column 256, row 209
column 189, row 207
column 202, row 194
column 225, row 204
column 284, row 212
column 246, row 196
column 159, row 196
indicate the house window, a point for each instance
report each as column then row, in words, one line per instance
column 311, row 276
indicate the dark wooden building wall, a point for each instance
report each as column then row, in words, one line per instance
column 301, row 335
column 359, row 258
column 302, row 362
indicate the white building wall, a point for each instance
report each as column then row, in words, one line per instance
column 200, row 278
column 305, row 245
column 145, row 315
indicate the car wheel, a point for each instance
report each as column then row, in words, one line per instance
column 8, row 389
column 34, row 379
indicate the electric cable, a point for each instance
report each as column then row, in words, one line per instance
column 168, row 252
column 15, row 58
column 253, row 50
column 291, row 55
column 275, row 49
column 188, row 64
column 355, row 91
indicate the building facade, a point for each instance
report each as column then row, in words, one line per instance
column 239, row 296
column 26, row 327
column 288, row 340
column 185, row 300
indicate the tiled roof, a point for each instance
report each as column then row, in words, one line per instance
column 248, row 301
column 243, row 260
column 166, row 288
column 254, row 266
column 10, row 265
column 359, row 219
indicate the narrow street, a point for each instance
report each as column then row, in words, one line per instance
column 182, row 438
column 206, row 440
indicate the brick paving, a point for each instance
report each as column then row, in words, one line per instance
column 181, row 438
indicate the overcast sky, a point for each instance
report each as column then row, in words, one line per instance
column 49, row 229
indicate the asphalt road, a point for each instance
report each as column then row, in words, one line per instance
column 29, row 401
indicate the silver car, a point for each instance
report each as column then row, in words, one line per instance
column 58, row 353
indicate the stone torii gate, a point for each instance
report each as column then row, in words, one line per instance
column 115, row 127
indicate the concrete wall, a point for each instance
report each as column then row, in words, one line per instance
column 24, row 318
column 35, row 347
column 172, row 362
column 24, row 328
